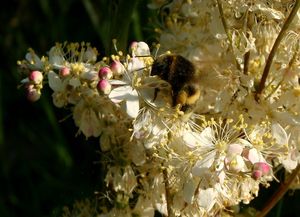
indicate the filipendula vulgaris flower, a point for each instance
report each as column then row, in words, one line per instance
column 31, row 67
column 157, row 157
column 154, row 155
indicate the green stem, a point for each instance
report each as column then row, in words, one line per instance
column 279, row 193
column 227, row 30
column 246, row 62
column 168, row 193
column 275, row 47
column 292, row 61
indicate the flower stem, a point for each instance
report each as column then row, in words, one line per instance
column 246, row 62
column 168, row 193
column 247, row 54
column 227, row 30
column 279, row 193
column 275, row 47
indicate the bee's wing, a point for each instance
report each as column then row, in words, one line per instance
column 156, row 92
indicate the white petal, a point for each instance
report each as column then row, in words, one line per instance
column 287, row 118
column 90, row 124
column 190, row 139
column 189, row 189
column 144, row 207
column 132, row 104
column 162, row 208
column 202, row 166
column 56, row 57
column 34, row 59
column 135, row 65
column 253, row 156
column 74, row 82
column 207, row 198
column 142, row 49
column 291, row 161
column 206, row 137
column 89, row 55
column 25, row 80
column 236, row 164
column 222, row 100
column 235, row 149
column 120, row 93
column 137, row 153
column 279, row 134
column 117, row 82
column 267, row 11
column 55, row 82
column 90, row 75
column 289, row 164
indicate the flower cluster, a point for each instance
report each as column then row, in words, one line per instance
column 159, row 157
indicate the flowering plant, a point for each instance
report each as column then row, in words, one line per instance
column 199, row 162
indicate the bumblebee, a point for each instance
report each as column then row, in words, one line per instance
column 181, row 74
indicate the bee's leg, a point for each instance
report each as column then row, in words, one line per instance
column 156, row 90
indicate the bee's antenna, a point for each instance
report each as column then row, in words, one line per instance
column 142, row 56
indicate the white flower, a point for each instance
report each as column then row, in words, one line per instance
column 144, row 207
column 140, row 49
column 126, row 93
column 34, row 61
column 189, row 189
column 56, row 57
column 55, row 82
column 87, row 119
column 122, row 179
column 124, row 90
column 207, row 198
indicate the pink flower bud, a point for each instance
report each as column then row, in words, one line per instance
column 33, row 94
column 263, row 167
column 133, row 45
column 65, row 71
column 260, row 169
column 36, row 77
column 117, row 68
column 256, row 174
column 104, row 86
column 105, row 73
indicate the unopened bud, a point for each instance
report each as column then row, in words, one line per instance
column 260, row 169
column 104, row 86
column 33, row 94
column 133, row 46
column 256, row 174
column 264, row 167
column 65, row 71
column 105, row 73
column 117, row 68
column 36, row 77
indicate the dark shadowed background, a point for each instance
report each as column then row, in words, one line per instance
column 44, row 166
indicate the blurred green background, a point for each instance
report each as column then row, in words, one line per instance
column 43, row 165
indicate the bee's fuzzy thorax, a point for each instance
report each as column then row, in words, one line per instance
column 182, row 76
